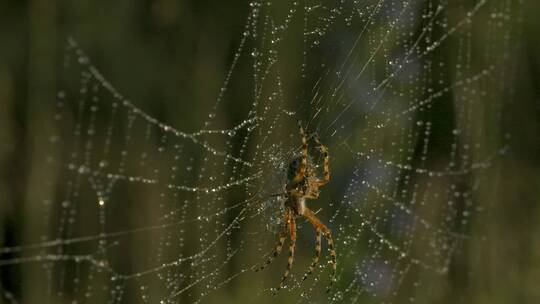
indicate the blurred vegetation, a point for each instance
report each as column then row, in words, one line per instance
column 171, row 58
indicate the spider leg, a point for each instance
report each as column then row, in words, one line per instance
column 317, row 254
column 326, row 161
column 292, row 245
column 279, row 244
column 303, row 160
column 310, row 216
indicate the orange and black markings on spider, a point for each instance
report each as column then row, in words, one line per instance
column 303, row 184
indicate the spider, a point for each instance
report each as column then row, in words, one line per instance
column 303, row 184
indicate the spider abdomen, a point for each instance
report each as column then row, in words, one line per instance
column 297, row 204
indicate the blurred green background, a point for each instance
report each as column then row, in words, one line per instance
column 170, row 58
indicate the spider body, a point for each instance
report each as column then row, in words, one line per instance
column 302, row 185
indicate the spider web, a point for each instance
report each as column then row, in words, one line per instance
column 407, row 95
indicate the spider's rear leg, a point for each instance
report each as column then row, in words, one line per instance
column 319, row 226
column 333, row 256
column 317, row 254
column 277, row 250
column 279, row 244
column 292, row 245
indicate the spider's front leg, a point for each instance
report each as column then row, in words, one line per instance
column 326, row 161
column 301, row 169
